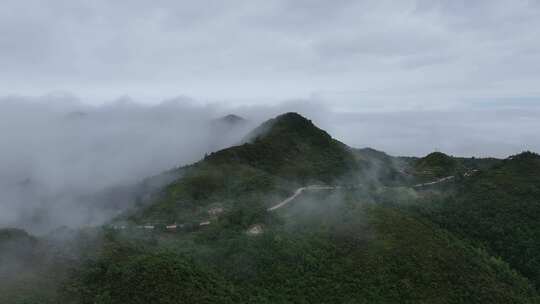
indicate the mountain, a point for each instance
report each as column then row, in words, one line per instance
column 329, row 246
column 345, row 226
column 500, row 209
column 228, row 123
column 278, row 157
column 225, row 130
column 231, row 119
column 383, row 168
column 283, row 154
column 437, row 165
column 291, row 146
column 346, row 253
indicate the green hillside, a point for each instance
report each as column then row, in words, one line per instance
column 328, row 247
column 500, row 208
column 27, row 273
column 284, row 154
column 292, row 147
column 368, row 237
column 380, row 167
column 437, row 165
column 345, row 252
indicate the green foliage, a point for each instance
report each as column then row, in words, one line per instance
column 283, row 153
column 355, row 244
column 437, row 165
column 382, row 168
column 499, row 208
column 133, row 275
column 188, row 198
column 291, row 147
column 27, row 272
column 356, row 254
column 473, row 163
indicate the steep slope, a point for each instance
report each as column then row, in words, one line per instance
column 437, row 165
column 500, row 208
column 283, row 154
column 382, row 167
column 339, row 252
column 231, row 119
column 27, row 275
column 331, row 246
column 277, row 158
column 292, row 147
column 344, row 244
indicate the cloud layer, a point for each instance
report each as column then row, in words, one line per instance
column 57, row 153
column 407, row 77
column 419, row 52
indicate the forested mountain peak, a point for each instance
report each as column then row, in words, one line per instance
column 526, row 155
column 287, row 125
column 321, row 226
column 437, row 158
column 291, row 146
column 232, row 119
column 437, row 165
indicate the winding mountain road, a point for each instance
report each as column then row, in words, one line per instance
column 320, row 187
column 298, row 192
column 440, row 180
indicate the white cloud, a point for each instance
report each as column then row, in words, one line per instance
column 56, row 151
column 269, row 50
column 406, row 77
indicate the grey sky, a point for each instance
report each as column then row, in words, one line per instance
column 347, row 54
column 89, row 89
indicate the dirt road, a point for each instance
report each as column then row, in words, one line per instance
column 297, row 193
column 440, row 180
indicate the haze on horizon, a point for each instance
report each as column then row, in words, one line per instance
column 100, row 93
column 150, row 151
column 406, row 77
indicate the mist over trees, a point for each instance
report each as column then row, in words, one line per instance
column 57, row 153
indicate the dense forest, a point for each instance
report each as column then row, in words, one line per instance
column 499, row 209
column 373, row 235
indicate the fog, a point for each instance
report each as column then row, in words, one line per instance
column 460, row 131
column 61, row 159
column 55, row 151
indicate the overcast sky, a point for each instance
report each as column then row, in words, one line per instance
column 97, row 93
column 351, row 54
column 407, row 77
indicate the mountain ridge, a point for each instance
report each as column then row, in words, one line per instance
column 362, row 234
column 293, row 147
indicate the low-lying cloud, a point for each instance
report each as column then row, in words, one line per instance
column 56, row 152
